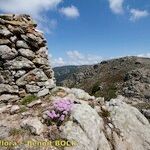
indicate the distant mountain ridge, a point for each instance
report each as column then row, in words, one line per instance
column 107, row 78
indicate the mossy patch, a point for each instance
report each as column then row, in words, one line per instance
column 28, row 99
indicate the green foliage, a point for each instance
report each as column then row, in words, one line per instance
column 28, row 99
column 95, row 88
column 111, row 93
column 23, row 109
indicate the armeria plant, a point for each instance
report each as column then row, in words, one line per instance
column 60, row 110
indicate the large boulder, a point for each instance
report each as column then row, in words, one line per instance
column 133, row 129
column 86, row 128
column 118, row 126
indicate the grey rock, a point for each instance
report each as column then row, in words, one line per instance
column 32, row 88
column 5, row 32
column 16, row 30
column 42, row 52
column 33, row 40
column 8, row 98
column 36, row 75
column 34, row 103
column 6, row 77
column 7, row 53
column 27, row 53
column 41, row 61
column 49, row 84
column 19, row 73
column 133, row 127
column 4, row 132
column 22, row 44
column 86, row 130
column 81, row 94
column 8, row 88
column 146, row 113
column 33, row 124
column 13, row 39
column 5, row 42
column 14, row 109
column 43, row 92
column 19, row 63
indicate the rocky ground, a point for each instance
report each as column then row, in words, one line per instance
column 128, row 76
column 92, row 124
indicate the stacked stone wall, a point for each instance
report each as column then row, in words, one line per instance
column 24, row 65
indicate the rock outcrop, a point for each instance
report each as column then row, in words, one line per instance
column 92, row 125
column 23, row 58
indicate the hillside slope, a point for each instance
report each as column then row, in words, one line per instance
column 129, row 76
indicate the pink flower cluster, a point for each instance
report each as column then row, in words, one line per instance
column 61, row 108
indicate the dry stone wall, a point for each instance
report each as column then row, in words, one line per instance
column 24, row 65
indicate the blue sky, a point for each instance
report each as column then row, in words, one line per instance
column 88, row 31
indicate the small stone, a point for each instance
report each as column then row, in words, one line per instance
column 43, row 93
column 34, row 103
column 3, row 109
column 27, row 53
column 5, row 32
column 32, row 88
column 50, row 84
column 16, row 30
column 42, row 52
column 33, row 124
column 22, row 44
column 5, row 42
column 13, row 39
column 7, row 53
column 41, row 61
column 14, row 109
column 146, row 113
column 8, row 88
column 22, row 93
column 20, row 73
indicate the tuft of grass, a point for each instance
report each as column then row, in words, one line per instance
column 105, row 113
column 23, row 109
column 95, row 88
column 15, row 131
column 28, row 99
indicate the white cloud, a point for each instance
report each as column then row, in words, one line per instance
column 147, row 55
column 75, row 58
column 137, row 14
column 34, row 7
column 74, row 55
column 58, row 62
column 70, row 12
column 116, row 6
